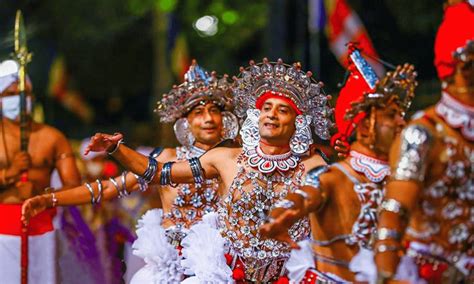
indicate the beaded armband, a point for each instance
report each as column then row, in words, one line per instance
column 313, row 175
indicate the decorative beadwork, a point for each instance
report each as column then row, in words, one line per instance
column 251, row 197
column 456, row 115
column 374, row 169
column 192, row 202
column 270, row 163
column 446, row 203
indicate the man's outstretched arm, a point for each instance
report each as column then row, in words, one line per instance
column 149, row 168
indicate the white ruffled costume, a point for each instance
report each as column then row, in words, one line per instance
column 162, row 260
column 203, row 253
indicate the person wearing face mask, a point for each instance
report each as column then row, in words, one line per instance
column 48, row 149
column 200, row 109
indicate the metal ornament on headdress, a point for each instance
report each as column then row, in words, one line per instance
column 199, row 87
column 362, row 92
column 289, row 81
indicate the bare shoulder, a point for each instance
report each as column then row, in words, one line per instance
column 322, row 177
column 50, row 133
column 168, row 154
column 313, row 161
column 332, row 177
column 223, row 153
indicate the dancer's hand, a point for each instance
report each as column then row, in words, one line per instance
column 277, row 228
column 21, row 162
column 33, row 206
column 282, row 218
column 342, row 148
column 101, row 142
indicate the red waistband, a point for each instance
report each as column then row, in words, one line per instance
column 10, row 221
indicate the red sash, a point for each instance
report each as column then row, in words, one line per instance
column 10, row 221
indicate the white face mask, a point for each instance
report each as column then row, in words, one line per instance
column 11, row 106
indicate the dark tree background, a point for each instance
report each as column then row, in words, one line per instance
column 119, row 52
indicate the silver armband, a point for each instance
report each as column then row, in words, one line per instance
column 313, row 175
column 385, row 248
column 394, row 206
column 386, row 234
column 415, row 144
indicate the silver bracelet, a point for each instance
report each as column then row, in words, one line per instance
column 284, row 203
column 116, row 147
column 54, row 199
column 386, row 233
column 143, row 185
column 385, row 248
column 99, row 197
column 196, row 170
column 394, row 206
column 124, row 191
column 91, row 190
column 151, row 170
column 116, row 186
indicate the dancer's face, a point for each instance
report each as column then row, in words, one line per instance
column 206, row 124
column 389, row 123
column 277, row 122
column 463, row 81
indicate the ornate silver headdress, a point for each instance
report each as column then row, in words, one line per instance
column 199, row 87
column 292, row 83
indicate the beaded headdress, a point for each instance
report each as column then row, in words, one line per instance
column 286, row 81
column 199, row 87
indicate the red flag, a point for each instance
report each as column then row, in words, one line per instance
column 344, row 26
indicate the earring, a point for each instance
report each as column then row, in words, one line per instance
column 230, row 125
column 302, row 139
column 249, row 131
column 183, row 133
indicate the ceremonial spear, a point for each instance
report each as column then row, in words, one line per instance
column 23, row 57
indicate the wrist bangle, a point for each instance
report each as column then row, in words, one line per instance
column 91, row 190
column 385, row 248
column 54, row 200
column 151, row 170
column 116, row 147
column 99, row 197
column 386, row 233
